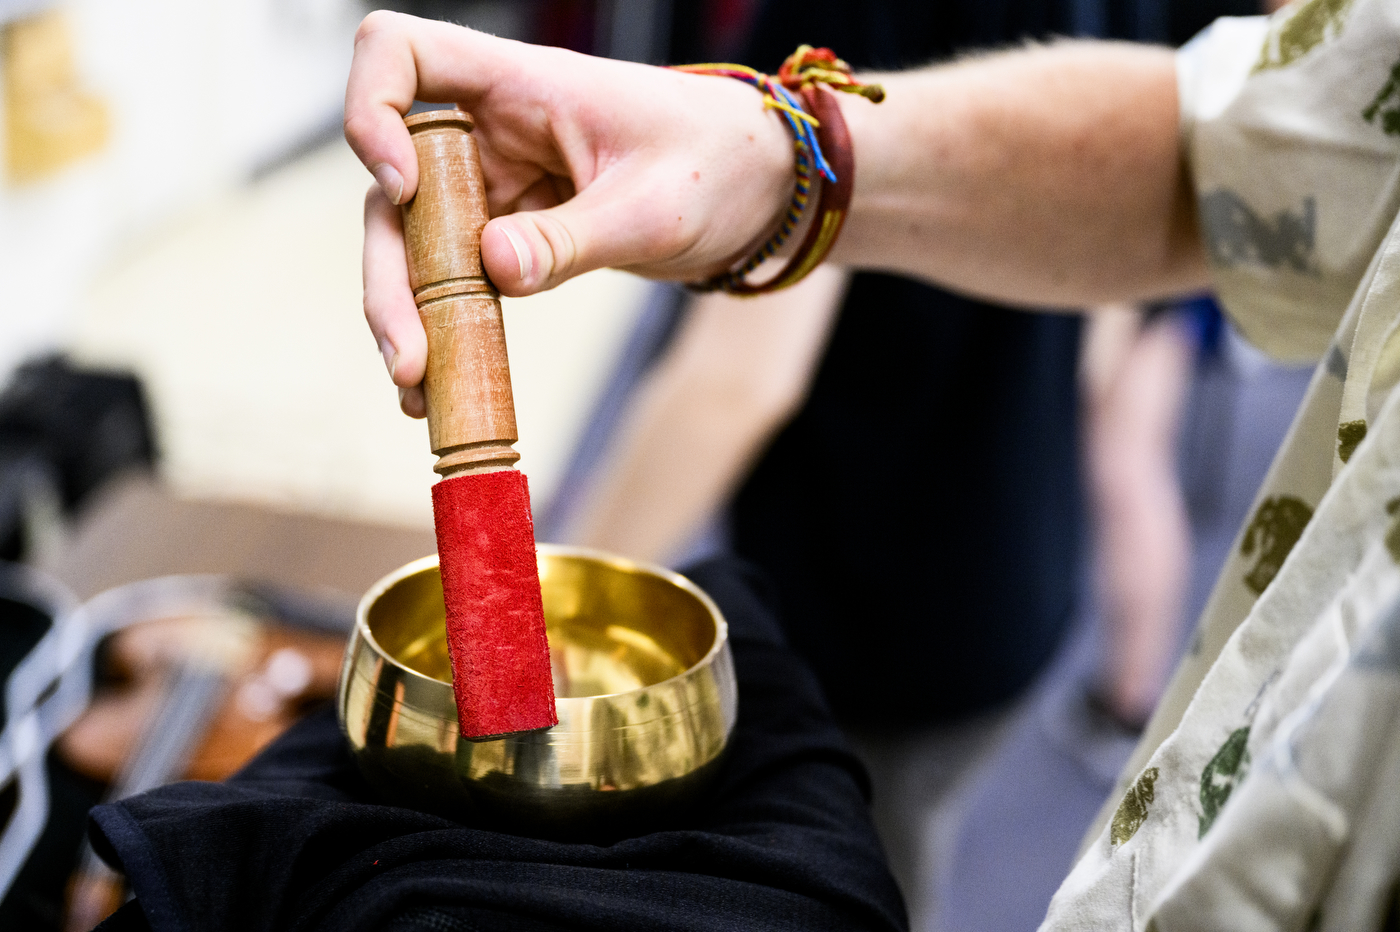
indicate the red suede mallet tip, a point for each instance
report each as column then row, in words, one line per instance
column 495, row 616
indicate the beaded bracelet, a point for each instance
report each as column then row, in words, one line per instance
column 820, row 139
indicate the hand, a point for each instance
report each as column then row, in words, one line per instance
column 588, row 163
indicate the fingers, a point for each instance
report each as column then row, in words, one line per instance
column 382, row 85
column 389, row 307
column 413, row 402
column 398, row 59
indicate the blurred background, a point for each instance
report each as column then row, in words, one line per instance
column 178, row 205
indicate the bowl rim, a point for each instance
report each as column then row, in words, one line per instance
column 563, row 550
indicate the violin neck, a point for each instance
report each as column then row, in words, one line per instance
column 189, row 703
column 169, row 740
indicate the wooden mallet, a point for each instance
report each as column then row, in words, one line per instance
column 481, row 508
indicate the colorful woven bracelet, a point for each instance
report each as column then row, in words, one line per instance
column 820, row 139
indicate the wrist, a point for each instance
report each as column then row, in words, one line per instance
column 804, row 96
column 865, row 129
column 770, row 167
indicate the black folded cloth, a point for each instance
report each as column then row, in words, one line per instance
column 297, row 840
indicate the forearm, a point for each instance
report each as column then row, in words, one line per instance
column 733, row 377
column 673, row 466
column 1048, row 176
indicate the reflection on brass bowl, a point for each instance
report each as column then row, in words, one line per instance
column 646, row 702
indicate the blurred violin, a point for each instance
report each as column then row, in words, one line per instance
column 194, row 697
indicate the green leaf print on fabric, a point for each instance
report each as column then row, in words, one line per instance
column 1336, row 363
column 1276, row 527
column 1236, row 235
column 1392, row 534
column 1349, row 437
column 1388, row 94
column 1295, row 33
column 1132, row 812
column 1225, row 770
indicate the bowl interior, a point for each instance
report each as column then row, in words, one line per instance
column 613, row 626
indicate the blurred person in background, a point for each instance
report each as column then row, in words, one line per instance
column 738, row 437
column 1136, row 375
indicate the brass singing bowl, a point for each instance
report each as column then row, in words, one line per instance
column 645, row 693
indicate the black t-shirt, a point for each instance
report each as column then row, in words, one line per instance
column 297, row 841
column 921, row 515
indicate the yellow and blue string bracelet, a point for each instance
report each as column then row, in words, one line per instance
column 801, row 73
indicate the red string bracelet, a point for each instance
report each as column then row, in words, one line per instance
column 820, row 139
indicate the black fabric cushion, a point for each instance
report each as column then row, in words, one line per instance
column 296, row 840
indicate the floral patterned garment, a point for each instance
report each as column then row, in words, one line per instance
column 1266, row 791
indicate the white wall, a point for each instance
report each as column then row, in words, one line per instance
column 200, row 94
column 244, row 322
column 237, row 302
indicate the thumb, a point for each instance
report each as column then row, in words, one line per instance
column 532, row 251
column 529, row 252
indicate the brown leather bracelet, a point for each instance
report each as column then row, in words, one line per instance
column 832, row 206
column 823, row 143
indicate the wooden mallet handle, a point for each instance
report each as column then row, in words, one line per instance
column 471, row 412
column 495, row 621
